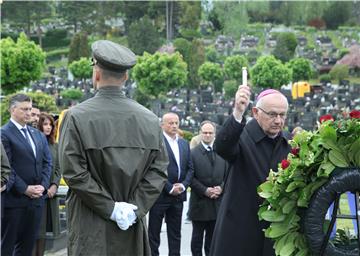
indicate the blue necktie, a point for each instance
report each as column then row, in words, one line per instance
column 26, row 136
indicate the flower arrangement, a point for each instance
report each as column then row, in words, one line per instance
column 313, row 157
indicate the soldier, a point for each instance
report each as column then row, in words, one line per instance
column 114, row 161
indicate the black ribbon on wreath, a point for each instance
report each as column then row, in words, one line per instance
column 341, row 181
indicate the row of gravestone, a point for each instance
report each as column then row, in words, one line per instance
column 303, row 112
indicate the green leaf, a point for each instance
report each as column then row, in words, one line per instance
column 276, row 230
column 354, row 152
column 289, row 206
column 265, row 189
column 327, row 168
column 261, row 210
column 279, row 244
column 294, row 185
column 288, row 248
column 337, row 158
column 302, row 252
column 273, row 216
column 328, row 135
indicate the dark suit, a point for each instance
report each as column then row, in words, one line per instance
column 168, row 205
column 209, row 171
column 252, row 154
column 22, row 214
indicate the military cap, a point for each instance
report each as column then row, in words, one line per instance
column 112, row 56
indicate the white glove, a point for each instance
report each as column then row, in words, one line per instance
column 124, row 215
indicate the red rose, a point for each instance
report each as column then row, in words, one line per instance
column 295, row 151
column 285, row 164
column 326, row 118
column 355, row 114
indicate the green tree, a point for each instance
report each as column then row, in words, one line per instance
column 159, row 73
column 44, row 101
column 230, row 88
column 76, row 13
column 315, row 9
column 285, row 46
column 72, row 94
column 232, row 16
column 194, row 55
column 211, row 54
column 190, row 19
column 292, row 12
column 210, row 72
column 133, row 11
column 21, row 62
column 79, row 47
column 269, row 72
column 337, row 14
column 27, row 13
column 81, row 68
column 215, row 20
column 143, row 37
column 191, row 14
column 233, row 67
column 339, row 72
column 301, row 69
column 196, row 58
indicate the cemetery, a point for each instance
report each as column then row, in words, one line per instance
column 190, row 56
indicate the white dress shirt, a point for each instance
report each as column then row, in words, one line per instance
column 28, row 134
column 175, row 149
column 174, row 145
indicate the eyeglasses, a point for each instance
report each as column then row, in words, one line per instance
column 273, row 115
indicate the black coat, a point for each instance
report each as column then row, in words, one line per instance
column 238, row 230
column 206, row 174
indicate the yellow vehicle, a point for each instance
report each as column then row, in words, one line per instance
column 299, row 89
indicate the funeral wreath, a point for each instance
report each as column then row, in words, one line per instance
column 313, row 158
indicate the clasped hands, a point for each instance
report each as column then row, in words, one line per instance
column 177, row 189
column 213, row 192
column 34, row 191
column 124, row 215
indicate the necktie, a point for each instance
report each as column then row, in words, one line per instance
column 26, row 135
column 210, row 155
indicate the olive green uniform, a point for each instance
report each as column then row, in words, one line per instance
column 111, row 150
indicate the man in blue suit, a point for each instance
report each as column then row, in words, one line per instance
column 30, row 162
column 170, row 202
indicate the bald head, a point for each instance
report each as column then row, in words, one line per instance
column 263, row 101
column 170, row 124
column 270, row 112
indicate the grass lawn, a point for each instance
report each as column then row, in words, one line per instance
column 344, row 209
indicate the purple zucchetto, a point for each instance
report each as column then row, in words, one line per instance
column 266, row 92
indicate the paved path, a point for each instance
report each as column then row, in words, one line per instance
column 186, row 231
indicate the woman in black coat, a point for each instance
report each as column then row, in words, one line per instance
column 253, row 149
column 47, row 126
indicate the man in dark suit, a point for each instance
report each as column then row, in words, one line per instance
column 206, row 189
column 170, row 202
column 30, row 162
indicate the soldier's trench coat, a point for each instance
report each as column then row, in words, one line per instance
column 111, row 150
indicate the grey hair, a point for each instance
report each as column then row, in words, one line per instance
column 208, row 122
column 17, row 98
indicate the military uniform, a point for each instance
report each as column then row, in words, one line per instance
column 111, row 150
